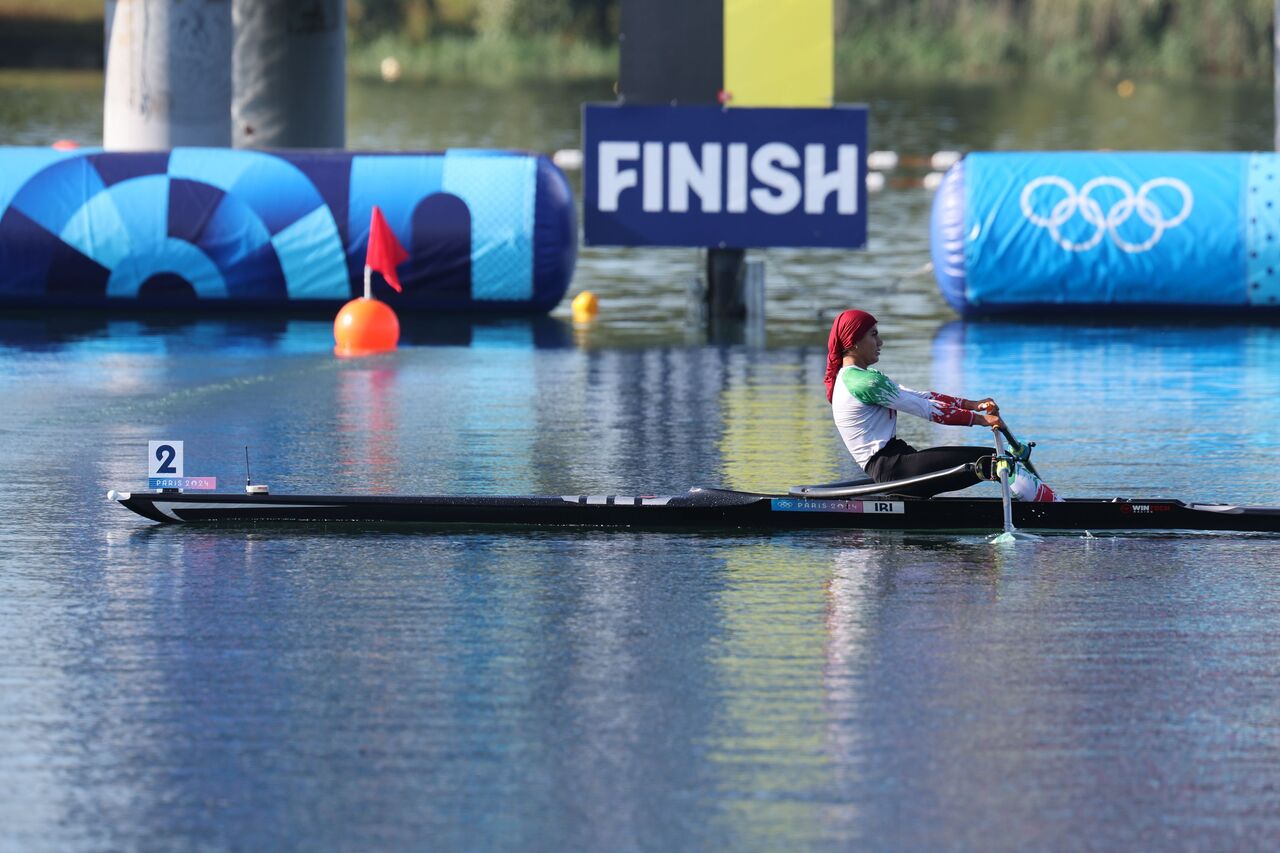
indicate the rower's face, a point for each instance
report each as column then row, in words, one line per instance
column 867, row 349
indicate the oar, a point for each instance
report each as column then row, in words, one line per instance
column 1021, row 454
column 1002, row 468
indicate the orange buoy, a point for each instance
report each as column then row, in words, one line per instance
column 364, row 327
column 65, row 145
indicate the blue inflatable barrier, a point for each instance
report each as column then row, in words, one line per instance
column 486, row 231
column 1099, row 231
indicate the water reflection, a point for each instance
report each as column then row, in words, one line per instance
column 367, row 437
column 826, row 650
column 450, row 682
column 775, row 433
column 1145, row 408
column 769, row 744
column 94, row 333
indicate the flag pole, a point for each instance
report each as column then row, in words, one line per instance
column 369, row 325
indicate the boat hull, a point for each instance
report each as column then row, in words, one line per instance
column 700, row 509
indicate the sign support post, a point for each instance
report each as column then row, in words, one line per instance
column 726, row 280
column 665, row 64
column 731, row 54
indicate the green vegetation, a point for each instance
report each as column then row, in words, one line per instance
column 874, row 38
column 485, row 40
column 46, row 34
column 62, row 10
column 497, row 40
column 420, row 20
column 1161, row 38
column 496, row 59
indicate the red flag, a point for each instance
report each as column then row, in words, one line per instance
column 385, row 251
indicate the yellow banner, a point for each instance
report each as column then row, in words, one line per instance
column 778, row 53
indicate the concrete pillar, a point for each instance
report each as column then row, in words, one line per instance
column 290, row 73
column 168, row 74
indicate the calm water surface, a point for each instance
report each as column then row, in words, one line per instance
column 244, row 688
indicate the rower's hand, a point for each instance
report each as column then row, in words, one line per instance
column 993, row 421
column 988, row 406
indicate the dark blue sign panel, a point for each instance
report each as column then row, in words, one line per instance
column 739, row 178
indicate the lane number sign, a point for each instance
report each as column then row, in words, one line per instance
column 164, row 459
column 164, row 468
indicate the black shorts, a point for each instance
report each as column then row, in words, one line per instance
column 898, row 460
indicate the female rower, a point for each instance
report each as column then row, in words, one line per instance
column 865, row 404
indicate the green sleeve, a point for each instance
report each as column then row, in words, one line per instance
column 870, row 386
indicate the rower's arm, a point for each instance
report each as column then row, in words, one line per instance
column 984, row 412
column 874, row 388
column 985, row 405
column 951, row 413
column 941, row 409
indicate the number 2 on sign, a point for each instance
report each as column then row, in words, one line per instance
column 164, row 459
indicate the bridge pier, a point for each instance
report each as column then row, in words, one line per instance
column 289, row 70
column 168, row 74
column 256, row 73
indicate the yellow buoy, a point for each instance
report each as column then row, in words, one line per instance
column 585, row 306
column 364, row 327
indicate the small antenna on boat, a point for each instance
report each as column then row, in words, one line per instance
column 249, row 487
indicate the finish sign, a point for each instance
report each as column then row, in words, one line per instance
column 739, row 178
column 164, row 468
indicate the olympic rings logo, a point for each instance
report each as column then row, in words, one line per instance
column 1121, row 210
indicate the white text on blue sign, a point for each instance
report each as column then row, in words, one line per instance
column 719, row 177
column 707, row 176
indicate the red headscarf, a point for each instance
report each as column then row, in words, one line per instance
column 846, row 331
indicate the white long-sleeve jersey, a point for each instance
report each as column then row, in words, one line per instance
column 865, row 404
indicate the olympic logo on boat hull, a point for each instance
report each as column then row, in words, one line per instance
column 1082, row 202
